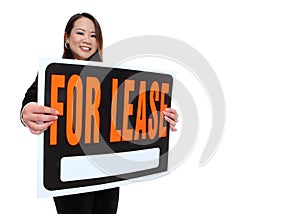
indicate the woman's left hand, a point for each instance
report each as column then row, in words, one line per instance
column 171, row 117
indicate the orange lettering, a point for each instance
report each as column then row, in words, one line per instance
column 57, row 81
column 153, row 123
column 127, row 110
column 74, row 127
column 91, row 111
column 115, row 135
column 141, row 112
column 163, row 129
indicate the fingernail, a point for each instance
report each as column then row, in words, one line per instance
column 55, row 117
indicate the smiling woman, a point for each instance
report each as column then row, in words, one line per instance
column 83, row 38
column 82, row 41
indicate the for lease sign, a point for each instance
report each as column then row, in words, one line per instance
column 110, row 129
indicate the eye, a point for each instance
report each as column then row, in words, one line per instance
column 79, row 33
column 93, row 35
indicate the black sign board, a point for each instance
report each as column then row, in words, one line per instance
column 110, row 119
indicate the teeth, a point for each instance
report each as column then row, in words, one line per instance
column 85, row 48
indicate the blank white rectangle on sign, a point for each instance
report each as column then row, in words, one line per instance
column 104, row 165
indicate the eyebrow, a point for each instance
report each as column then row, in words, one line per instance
column 84, row 29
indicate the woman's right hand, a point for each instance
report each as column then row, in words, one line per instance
column 38, row 118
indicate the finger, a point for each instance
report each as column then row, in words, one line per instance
column 44, row 118
column 38, row 127
column 45, row 110
column 171, row 121
column 35, row 132
column 172, row 124
column 40, row 118
column 171, row 115
column 174, row 129
column 171, row 110
column 33, row 107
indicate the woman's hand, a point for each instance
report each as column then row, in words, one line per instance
column 171, row 117
column 38, row 118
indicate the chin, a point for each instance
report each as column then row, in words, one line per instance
column 84, row 57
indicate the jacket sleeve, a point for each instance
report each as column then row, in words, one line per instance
column 30, row 96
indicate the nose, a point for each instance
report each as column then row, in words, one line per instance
column 87, row 40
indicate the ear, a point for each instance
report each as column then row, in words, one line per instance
column 66, row 37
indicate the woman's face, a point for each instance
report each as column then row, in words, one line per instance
column 82, row 39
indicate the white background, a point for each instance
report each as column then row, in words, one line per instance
column 253, row 47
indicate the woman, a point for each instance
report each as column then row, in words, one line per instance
column 82, row 41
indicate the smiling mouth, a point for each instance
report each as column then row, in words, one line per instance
column 86, row 49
